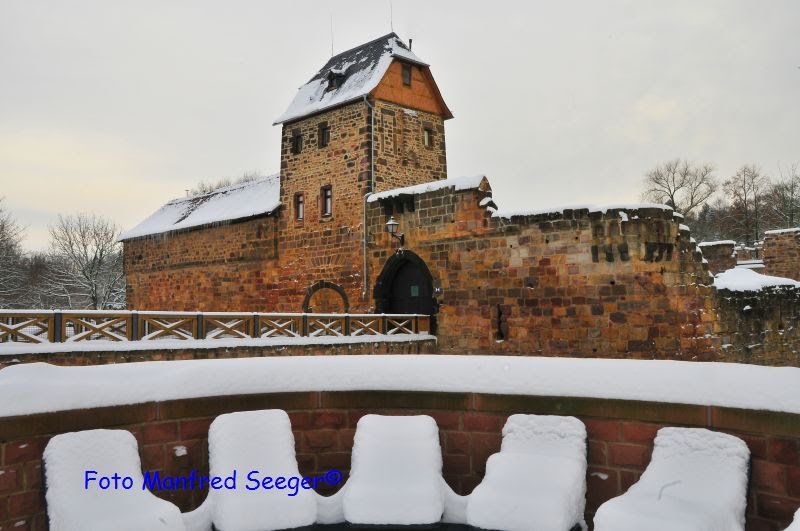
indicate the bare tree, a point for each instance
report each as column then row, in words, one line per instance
column 784, row 198
column 11, row 274
column 746, row 192
column 204, row 187
column 86, row 263
column 680, row 184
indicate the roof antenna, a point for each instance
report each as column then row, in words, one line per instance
column 391, row 17
column 331, row 33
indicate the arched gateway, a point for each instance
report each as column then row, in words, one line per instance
column 406, row 286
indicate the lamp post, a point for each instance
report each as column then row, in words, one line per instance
column 391, row 228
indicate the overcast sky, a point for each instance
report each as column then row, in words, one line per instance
column 116, row 107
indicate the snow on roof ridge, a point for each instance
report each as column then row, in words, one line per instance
column 314, row 96
column 223, row 204
column 460, row 183
column 782, row 231
column 589, row 207
column 717, row 242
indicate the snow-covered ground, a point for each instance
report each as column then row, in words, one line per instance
column 39, row 387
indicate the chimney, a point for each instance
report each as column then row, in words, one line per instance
column 410, row 43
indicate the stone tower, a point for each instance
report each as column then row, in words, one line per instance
column 370, row 120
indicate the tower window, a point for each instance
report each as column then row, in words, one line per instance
column 427, row 137
column 297, row 142
column 407, row 75
column 324, row 134
column 327, row 200
column 299, row 206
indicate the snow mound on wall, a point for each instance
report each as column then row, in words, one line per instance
column 263, row 441
column 459, row 183
column 396, row 474
column 538, row 480
column 719, row 242
column 783, row 231
column 696, row 481
column 742, row 279
column 589, row 207
column 31, row 388
column 237, row 201
column 68, row 456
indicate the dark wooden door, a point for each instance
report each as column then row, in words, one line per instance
column 412, row 291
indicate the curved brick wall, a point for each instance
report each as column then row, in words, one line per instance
column 620, row 441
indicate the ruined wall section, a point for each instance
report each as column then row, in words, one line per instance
column 721, row 255
column 225, row 267
column 782, row 253
column 573, row 283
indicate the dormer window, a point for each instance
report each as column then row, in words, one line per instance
column 335, row 79
column 407, row 75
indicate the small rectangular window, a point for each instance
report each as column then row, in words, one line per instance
column 407, row 75
column 297, row 142
column 327, row 200
column 324, row 134
column 299, row 207
column 427, row 137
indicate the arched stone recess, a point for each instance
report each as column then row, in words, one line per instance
column 405, row 285
column 325, row 297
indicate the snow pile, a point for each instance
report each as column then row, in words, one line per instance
column 243, row 200
column 361, row 69
column 795, row 526
column 458, row 183
column 31, row 388
column 783, row 231
column 69, row 456
column 718, row 242
column 396, row 474
column 538, row 480
column 696, row 481
column 741, row 279
column 263, row 441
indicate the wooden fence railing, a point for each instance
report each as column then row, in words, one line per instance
column 22, row 326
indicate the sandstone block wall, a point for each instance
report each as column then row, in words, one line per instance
column 781, row 253
column 227, row 267
column 613, row 284
column 721, row 256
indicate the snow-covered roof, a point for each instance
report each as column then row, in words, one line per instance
column 238, row 201
column 741, row 279
column 360, row 70
column 459, row 183
column 718, row 242
column 783, row 231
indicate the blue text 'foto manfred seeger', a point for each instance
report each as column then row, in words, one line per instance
column 254, row 480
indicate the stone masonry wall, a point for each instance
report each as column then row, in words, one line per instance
column 230, row 266
column 720, row 255
column 614, row 284
column 620, row 442
column 781, row 253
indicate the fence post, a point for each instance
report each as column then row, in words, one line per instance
column 346, row 324
column 201, row 333
column 304, row 332
column 134, row 332
column 58, row 332
column 384, row 324
column 256, row 332
column 416, row 323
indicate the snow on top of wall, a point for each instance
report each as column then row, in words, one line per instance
column 242, row 200
column 460, row 183
column 795, row 523
column 719, row 242
column 38, row 387
column 742, row 279
column 589, row 207
column 361, row 69
column 783, row 231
